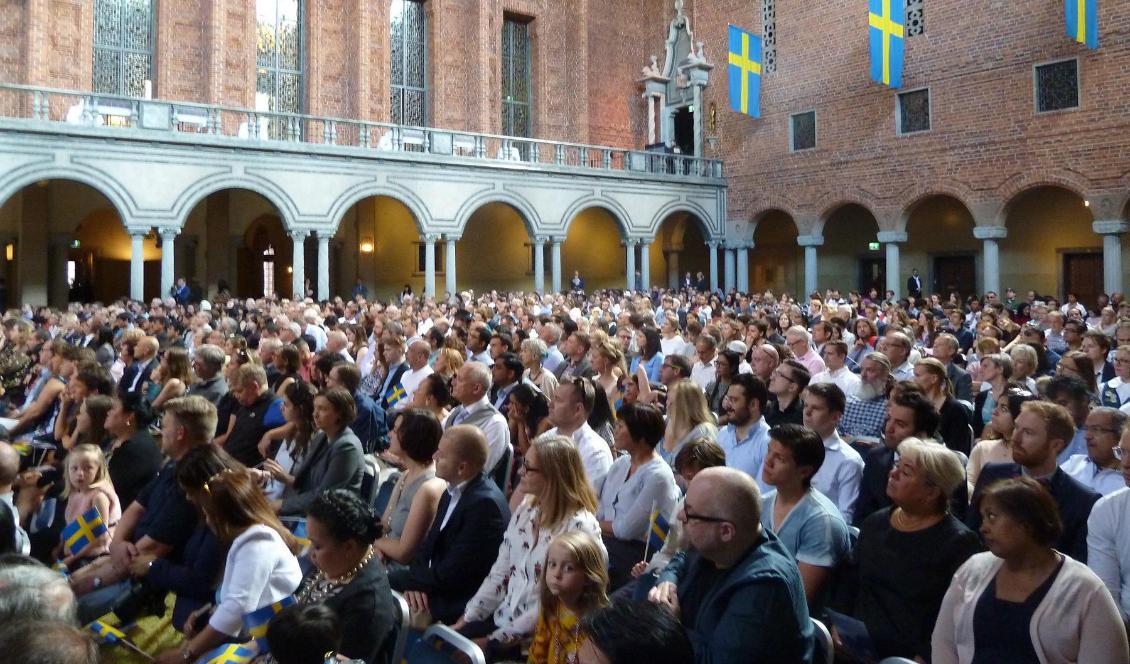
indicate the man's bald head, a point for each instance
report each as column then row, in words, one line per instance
column 728, row 493
column 9, row 466
column 469, row 446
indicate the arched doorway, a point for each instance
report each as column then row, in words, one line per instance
column 851, row 256
column 679, row 248
column 495, row 252
column 776, row 262
column 941, row 246
column 592, row 248
column 1051, row 247
column 380, row 244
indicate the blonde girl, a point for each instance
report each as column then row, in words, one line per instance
column 688, row 417
column 575, row 583
column 88, row 485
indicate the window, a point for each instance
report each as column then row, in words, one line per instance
column 802, row 131
column 515, row 78
column 409, row 82
column 914, row 111
column 769, row 35
column 915, row 18
column 1057, row 86
column 123, row 46
column 269, row 271
column 422, row 258
column 278, row 59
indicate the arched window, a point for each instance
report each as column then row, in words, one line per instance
column 269, row 271
column 123, row 46
column 408, row 86
column 279, row 84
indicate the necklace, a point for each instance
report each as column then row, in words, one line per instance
column 348, row 576
column 907, row 523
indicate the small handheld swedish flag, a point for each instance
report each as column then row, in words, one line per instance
column 83, row 530
column 887, row 19
column 257, row 621
column 1082, row 18
column 106, row 633
column 657, row 531
column 396, row 394
column 232, row 653
column 745, row 72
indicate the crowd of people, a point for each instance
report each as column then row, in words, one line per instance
column 572, row 477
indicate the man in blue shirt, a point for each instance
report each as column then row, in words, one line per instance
column 745, row 438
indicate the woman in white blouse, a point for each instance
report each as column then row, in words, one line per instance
column 260, row 568
column 504, row 612
column 638, row 482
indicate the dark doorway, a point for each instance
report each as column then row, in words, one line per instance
column 873, row 274
column 684, row 130
column 954, row 274
column 1083, row 275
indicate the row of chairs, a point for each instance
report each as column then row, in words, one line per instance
column 827, row 650
column 439, row 644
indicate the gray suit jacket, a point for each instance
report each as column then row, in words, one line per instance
column 583, row 370
column 329, row 464
column 962, row 382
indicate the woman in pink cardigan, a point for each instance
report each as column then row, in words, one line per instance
column 1023, row 601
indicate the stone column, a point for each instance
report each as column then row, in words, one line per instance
column 324, row 265
column 810, row 242
column 298, row 264
column 430, row 265
column 57, row 256
column 1112, row 231
column 743, row 266
column 712, row 247
column 892, row 239
column 630, row 270
column 168, row 269
column 674, row 279
column 555, row 262
column 137, row 264
column 990, row 256
column 539, row 265
column 449, row 267
column 645, row 264
column 728, row 270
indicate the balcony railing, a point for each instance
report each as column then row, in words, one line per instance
column 263, row 128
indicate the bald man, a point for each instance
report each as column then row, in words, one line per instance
column 419, row 351
column 9, row 469
column 738, row 592
column 463, row 542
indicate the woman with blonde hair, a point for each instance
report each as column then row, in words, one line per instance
column 504, row 611
column 608, row 362
column 956, row 428
column 448, row 363
column 1024, row 363
column 688, row 417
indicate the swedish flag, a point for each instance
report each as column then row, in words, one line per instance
column 657, row 532
column 106, row 633
column 745, row 72
column 83, row 530
column 257, row 621
column 1083, row 21
column 232, row 653
column 396, row 394
column 887, row 19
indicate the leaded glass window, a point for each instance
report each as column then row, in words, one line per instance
column 279, row 85
column 769, row 35
column 516, row 91
column 123, row 46
column 802, row 131
column 1057, row 86
column 409, row 82
column 915, row 18
column 914, row 111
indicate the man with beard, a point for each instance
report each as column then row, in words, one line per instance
column 862, row 424
column 745, row 438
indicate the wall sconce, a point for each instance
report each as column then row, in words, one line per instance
column 10, row 251
column 289, row 270
column 367, row 246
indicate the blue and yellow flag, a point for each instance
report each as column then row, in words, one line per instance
column 1083, row 21
column 657, row 532
column 745, row 72
column 232, row 653
column 257, row 621
column 396, row 394
column 887, row 19
column 106, row 633
column 83, row 530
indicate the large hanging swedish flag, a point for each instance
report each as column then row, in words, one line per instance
column 745, row 72
column 1082, row 18
column 887, row 19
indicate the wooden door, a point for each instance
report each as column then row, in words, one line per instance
column 873, row 274
column 954, row 274
column 1083, row 275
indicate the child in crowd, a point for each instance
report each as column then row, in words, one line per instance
column 88, row 485
column 575, row 583
column 305, row 634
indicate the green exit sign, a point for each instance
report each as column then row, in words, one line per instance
column 873, row 246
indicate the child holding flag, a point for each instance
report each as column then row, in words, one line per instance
column 93, row 508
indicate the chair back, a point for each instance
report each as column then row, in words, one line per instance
column 442, row 645
column 369, row 478
column 384, row 494
column 501, row 471
column 827, row 652
column 896, row 660
column 402, row 627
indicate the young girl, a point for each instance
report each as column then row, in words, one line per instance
column 574, row 583
column 88, row 485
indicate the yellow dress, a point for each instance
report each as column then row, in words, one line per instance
column 557, row 639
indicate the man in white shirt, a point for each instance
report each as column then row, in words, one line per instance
column 839, row 476
column 338, row 344
column 569, row 411
column 312, row 329
column 702, row 373
column 1108, row 536
column 835, row 355
column 471, row 388
column 1099, row 469
column 418, row 353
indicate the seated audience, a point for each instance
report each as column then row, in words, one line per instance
column 411, row 509
column 88, row 486
column 241, row 438
column 30, row 591
column 48, row 642
column 688, row 418
column 574, row 584
column 569, row 411
column 996, row 446
column 208, row 364
column 745, row 437
column 133, row 456
column 954, row 428
column 298, row 411
column 334, row 458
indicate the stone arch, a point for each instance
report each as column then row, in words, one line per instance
column 114, row 192
column 526, row 210
column 838, row 204
column 776, row 261
column 691, row 208
column 940, row 245
column 916, row 196
column 200, row 191
column 614, row 209
column 846, row 259
column 377, row 240
column 420, row 213
column 1021, row 183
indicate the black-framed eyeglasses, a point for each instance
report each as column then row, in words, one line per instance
column 691, row 516
column 526, row 467
column 1113, row 432
column 782, row 374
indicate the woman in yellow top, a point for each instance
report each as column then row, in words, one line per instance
column 575, row 582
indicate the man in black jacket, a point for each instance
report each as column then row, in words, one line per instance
column 463, row 542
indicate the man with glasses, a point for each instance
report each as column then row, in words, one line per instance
column 702, row 373
column 207, row 363
column 674, row 369
column 738, row 592
column 1108, row 535
column 1073, row 332
column 1099, row 469
column 797, row 339
column 785, row 386
column 897, row 348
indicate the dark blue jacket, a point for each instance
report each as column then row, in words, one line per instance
column 370, row 426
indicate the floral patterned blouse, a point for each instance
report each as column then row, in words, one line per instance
column 510, row 591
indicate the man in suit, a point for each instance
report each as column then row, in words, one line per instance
column 945, row 351
column 144, row 360
column 505, row 375
column 471, row 388
column 914, row 286
column 1042, row 430
column 460, row 548
column 394, row 358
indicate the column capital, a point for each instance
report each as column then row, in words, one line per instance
column 630, row 242
column 451, row 237
column 1111, row 227
column 810, row 240
column 431, row 237
column 540, row 240
column 299, row 234
column 556, row 239
column 990, row 232
column 168, row 232
column 324, row 235
column 135, row 231
column 714, row 244
column 891, row 237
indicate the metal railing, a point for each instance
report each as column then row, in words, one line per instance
column 86, row 109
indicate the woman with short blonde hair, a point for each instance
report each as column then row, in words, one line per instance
column 688, row 417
